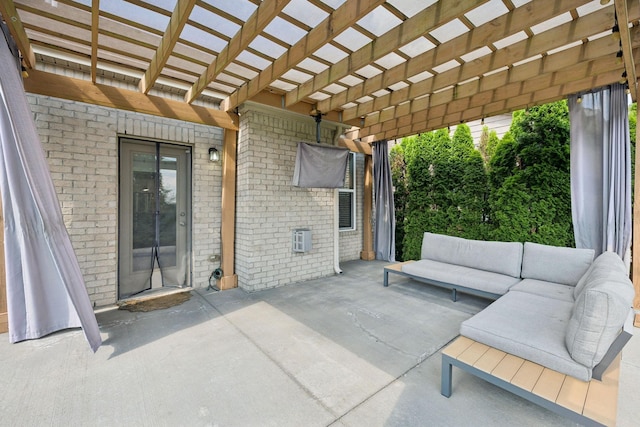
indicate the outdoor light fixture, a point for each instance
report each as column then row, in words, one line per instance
column 579, row 100
column 623, row 78
column 214, row 155
column 619, row 58
column 615, row 32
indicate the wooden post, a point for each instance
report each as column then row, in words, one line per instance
column 229, row 279
column 636, row 233
column 4, row 315
column 367, row 233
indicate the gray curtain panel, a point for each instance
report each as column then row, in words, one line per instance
column 601, row 170
column 320, row 166
column 384, row 239
column 45, row 288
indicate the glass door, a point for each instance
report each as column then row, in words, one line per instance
column 154, row 216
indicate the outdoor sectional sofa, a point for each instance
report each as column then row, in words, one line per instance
column 556, row 308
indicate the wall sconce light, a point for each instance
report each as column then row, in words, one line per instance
column 619, row 57
column 214, row 155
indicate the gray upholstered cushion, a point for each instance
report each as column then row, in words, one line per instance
column 555, row 264
column 461, row 276
column 545, row 289
column 597, row 317
column 497, row 257
column 529, row 326
column 602, row 267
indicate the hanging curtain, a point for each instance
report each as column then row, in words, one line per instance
column 384, row 242
column 45, row 289
column 601, row 170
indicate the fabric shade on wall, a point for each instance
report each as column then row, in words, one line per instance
column 384, row 242
column 45, row 288
column 320, row 166
column 601, row 170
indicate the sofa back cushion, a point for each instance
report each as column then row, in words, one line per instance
column 597, row 317
column 602, row 267
column 497, row 257
column 555, row 264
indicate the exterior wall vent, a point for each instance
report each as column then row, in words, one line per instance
column 301, row 240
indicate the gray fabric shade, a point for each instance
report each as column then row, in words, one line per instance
column 385, row 222
column 45, row 288
column 601, row 170
column 320, row 166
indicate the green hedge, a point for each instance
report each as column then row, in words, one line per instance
column 514, row 189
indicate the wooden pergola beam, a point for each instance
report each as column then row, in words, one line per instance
column 438, row 120
column 428, row 19
column 333, row 25
column 12, row 19
column 635, row 261
column 262, row 16
column 95, row 20
column 626, row 46
column 559, row 68
column 367, row 252
column 58, row 86
column 504, row 26
column 178, row 19
column 542, row 43
column 229, row 278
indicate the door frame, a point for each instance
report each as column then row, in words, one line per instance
column 123, row 141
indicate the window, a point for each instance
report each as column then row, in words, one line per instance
column 347, row 197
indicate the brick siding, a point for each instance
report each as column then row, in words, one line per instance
column 269, row 208
column 81, row 146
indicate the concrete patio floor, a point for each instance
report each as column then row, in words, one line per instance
column 338, row 351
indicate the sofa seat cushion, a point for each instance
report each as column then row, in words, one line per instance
column 528, row 326
column 545, row 289
column 496, row 257
column 555, row 264
column 461, row 276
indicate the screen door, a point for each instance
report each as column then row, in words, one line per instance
column 154, row 216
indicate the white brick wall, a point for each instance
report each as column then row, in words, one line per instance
column 269, row 208
column 81, row 146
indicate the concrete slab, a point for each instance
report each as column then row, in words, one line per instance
column 340, row 351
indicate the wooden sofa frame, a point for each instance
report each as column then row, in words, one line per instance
column 592, row 403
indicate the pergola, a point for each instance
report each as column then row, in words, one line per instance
column 384, row 69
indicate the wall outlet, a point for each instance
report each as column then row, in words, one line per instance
column 214, row 258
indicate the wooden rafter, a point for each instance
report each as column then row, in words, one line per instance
column 438, row 118
column 337, row 22
column 262, row 16
column 528, row 48
column 12, row 19
column 576, row 62
column 414, row 27
column 499, row 28
column 108, row 96
column 95, row 20
column 169, row 39
column 625, row 43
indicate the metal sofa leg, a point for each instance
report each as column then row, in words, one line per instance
column 445, row 381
